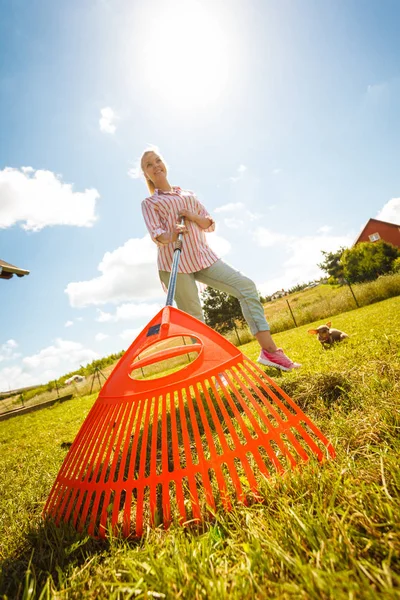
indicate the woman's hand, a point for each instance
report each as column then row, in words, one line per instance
column 179, row 229
column 202, row 222
column 187, row 214
column 171, row 236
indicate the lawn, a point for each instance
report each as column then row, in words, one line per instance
column 329, row 531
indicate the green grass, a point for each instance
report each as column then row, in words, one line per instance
column 328, row 531
column 324, row 301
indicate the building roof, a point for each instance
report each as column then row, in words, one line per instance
column 7, row 270
column 378, row 221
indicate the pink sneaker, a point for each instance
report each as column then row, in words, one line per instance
column 277, row 359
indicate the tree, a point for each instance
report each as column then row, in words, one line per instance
column 367, row 260
column 332, row 264
column 221, row 311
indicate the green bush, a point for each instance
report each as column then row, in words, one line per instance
column 396, row 265
column 366, row 261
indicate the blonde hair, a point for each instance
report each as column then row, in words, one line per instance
column 149, row 150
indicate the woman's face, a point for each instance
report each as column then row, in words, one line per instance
column 153, row 167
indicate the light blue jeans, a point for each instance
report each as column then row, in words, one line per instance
column 224, row 278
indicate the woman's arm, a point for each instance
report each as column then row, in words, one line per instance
column 152, row 221
column 202, row 222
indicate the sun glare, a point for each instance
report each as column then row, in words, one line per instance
column 185, row 54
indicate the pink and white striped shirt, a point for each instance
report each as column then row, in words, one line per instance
column 160, row 213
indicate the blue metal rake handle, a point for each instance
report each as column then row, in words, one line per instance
column 174, row 268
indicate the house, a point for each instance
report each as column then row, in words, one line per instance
column 7, row 270
column 75, row 379
column 278, row 294
column 376, row 230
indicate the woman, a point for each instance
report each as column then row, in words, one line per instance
column 162, row 212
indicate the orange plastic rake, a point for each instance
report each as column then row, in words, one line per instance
column 183, row 443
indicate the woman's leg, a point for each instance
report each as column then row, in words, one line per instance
column 264, row 338
column 226, row 279
column 186, row 293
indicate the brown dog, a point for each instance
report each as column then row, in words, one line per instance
column 328, row 336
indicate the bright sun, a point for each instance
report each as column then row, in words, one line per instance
column 185, row 53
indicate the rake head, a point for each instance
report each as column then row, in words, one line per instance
column 182, row 444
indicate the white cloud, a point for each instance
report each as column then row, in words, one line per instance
column 377, row 90
column 107, row 120
column 230, row 207
column 127, row 273
column 325, row 229
column 307, row 250
column 135, row 172
column 234, row 223
column 266, row 238
column 240, row 172
column 38, row 199
column 277, row 171
column 304, row 254
column 241, row 216
column 12, row 378
column 129, row 335
column 7, row 350
column 10, row 344
column 50, row 363
column 99, row 337
column 68, row 323
column 390, row 212
column 63, row 353
column 128, row 312
column 220, row 245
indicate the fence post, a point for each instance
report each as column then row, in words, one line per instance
column 237, row 333
column 291, row 312
column 351, row 289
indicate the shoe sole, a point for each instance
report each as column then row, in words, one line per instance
column 268, row 363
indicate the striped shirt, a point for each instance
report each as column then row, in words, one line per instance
column 160, row 213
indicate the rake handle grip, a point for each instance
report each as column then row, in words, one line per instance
column 174, row 268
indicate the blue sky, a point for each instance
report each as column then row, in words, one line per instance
column 282, row 116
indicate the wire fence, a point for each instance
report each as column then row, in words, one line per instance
column 17, row 404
